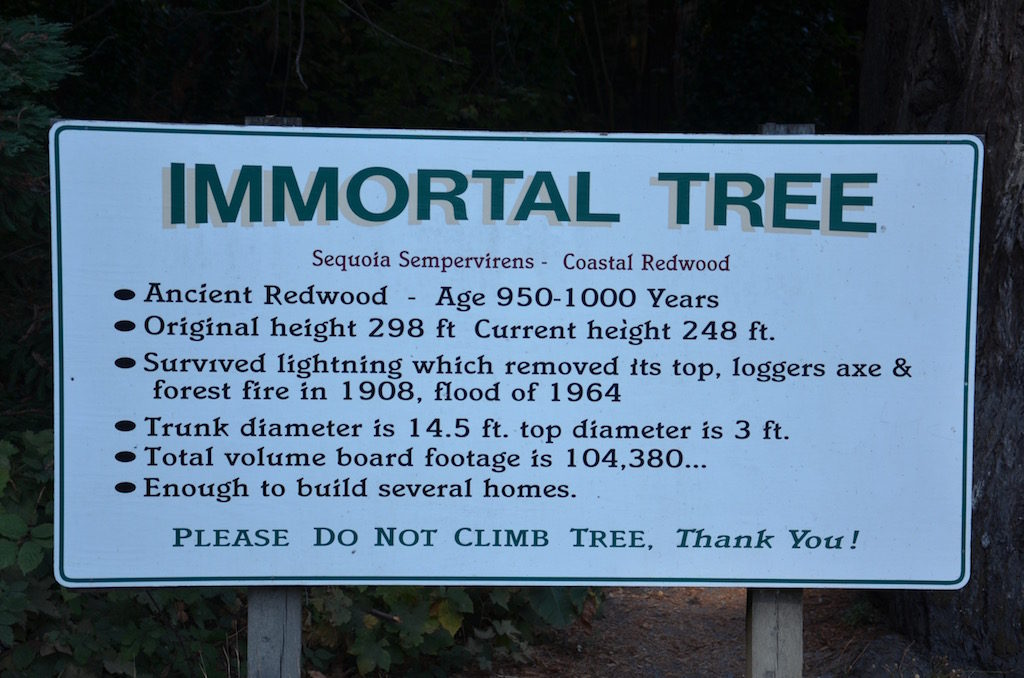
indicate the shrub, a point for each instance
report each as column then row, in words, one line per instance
column 46, row 630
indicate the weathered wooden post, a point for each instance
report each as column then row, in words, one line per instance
column 775, row 617
column 275, row 632
column 274, row 637
column 775, row 626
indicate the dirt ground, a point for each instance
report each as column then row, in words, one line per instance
column 698, row 632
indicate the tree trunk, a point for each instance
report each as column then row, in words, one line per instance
column 948, row 66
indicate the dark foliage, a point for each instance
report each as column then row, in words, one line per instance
column 692, row 65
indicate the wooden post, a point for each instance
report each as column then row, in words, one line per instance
column 275, row 612
column 775, row 629
column 273, row 120
column 275, row 632
column 797, row 128
column 775, row 617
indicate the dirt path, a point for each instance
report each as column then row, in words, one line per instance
column 690, row 632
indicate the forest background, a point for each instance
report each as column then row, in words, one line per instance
column 937, row 66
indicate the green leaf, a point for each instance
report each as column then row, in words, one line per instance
column 554, row 605
column 8, row 553
column 6, row 636
column 370, row 653
column 449, row 618
column 336, row 605
column 43, row 531
column 417, row 621
column 12, row 526
column 29, row 557
column 505, row 627
column 501, row 596
column 5, row 468
column 459, row 598
column 24, row 655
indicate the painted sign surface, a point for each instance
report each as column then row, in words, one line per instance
column 321, row 356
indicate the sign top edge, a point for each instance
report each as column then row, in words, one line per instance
column 61, row 126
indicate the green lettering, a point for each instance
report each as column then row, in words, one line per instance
column 837, row 201
column 177, row 193
column 398, row 185
column 723, row 200
column 583, row 213
column 496, row 179
column 207, row 182
column 426, row 195
column 782, row 199
column 531, row 203
column 325, row 185
column 683, row 181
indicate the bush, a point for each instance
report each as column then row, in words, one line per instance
column 46, row 630
column 33, row 60
column 432, row 631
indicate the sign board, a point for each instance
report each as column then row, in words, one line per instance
column 326, row 356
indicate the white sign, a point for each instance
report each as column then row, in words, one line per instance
column 340, row 356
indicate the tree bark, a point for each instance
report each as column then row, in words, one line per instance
column 948, row 66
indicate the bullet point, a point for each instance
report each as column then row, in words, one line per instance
column 125, row 363
column 125, row 456
column 124, row 325
column 125, row 488
column 124, row 294
column 125, row 425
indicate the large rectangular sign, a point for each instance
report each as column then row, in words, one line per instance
column 321, row 356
